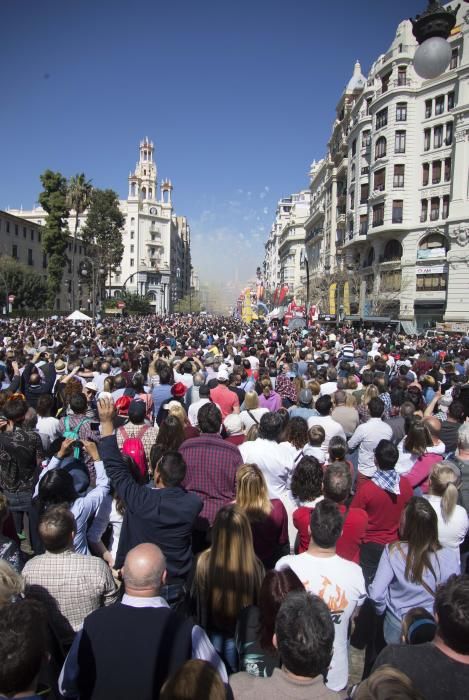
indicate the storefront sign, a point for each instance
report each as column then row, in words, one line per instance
column 430, row 270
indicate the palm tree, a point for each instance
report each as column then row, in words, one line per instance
column 79, row 195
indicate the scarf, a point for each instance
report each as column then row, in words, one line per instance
column 387, row 480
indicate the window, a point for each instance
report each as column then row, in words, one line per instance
column 390, row 280
column 447, row 169
column 397, row 211
column 16, row 229
column 8, row 227
column 14, row 252
column 354, row 147
column 445, row 207
column 352, row 173
column 431, row 283
column 425, row 173
column 380, row 180
column 363, row 224
column 428, row 108
column 437, row 136
column 30, row 257
column 24, row 232
column 382, row 118
column 132, row 248
column 402, row 75
column 364, row 192
column 378, row 215
column 39, row 236
column 32, row 234
column 449, row 134
column 380, row 148
column 385, row 82
column 439, row 104
column 427, row 139
column 132, row 221
column 436, row 172
column 366, row 139
column 393, row 250
column 401, row 112
column 399, row 171
column 399, row 143
column 131, row 262
column 132, row 235
column 454, row 59
column 424, row 210
column 434, row 208
column 369, row 100
column 450, row 100
column 352, row 199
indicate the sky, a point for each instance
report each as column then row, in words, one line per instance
column 238, row 97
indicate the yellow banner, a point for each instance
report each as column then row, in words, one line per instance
column 332, row 290
column 346, row 299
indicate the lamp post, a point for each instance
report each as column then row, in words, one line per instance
column 432, row 29
column 7, row 293
column 97, row 270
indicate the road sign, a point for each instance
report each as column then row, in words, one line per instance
column 11, row 298
column 120, row 304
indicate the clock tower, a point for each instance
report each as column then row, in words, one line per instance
column 143, row 182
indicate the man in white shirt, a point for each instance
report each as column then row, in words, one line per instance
column 193, row 412
column 329, row 387
column 338, row 582
column 331, row 426
column 367, row 436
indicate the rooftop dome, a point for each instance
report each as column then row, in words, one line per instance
column 357, row 81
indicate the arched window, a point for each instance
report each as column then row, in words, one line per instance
column 132, row 189
column 144, row 192
column 132, row 221
column 380, row 148
column 392, row 251
column 352, row 173
column 144, row 155
column 150, row 193
column 433, row 245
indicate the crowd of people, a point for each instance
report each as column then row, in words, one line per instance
column 193, row 507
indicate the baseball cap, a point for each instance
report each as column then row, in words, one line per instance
column 305, row 397
column 178, row 390
column 222, row 375
column 233, row 424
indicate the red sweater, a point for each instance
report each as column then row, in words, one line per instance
column 384, row 509
column 348, row 544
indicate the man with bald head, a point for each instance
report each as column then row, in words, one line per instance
column 130, row 651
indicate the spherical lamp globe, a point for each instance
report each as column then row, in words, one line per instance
column 432, row 58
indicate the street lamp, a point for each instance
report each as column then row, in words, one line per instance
column 432, row 29
column 96, row 271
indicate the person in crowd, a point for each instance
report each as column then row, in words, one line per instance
column 252, row 412
column 337, row 581
column 48, row 426
column 256, row 624
column 366, row 438
column 228, row 578
column 416, row 445
column 449, row 427
column 194, row 678
column 285, row 387
column 170, row 437
column 138, row 385
column 306, row 488
column 304, row 408
column 344, row 414
column 383, row 498
column 34, row 382
column 227, row 400
column 304, row 635
column 193, row 410
column 316, row 438
column 137, row 428
column 337, row 487
column 418, row 626
column 371, row 392
column 69, row 584
column 387, row 682
column 268, row 517
column 439, row 669
column 325, row 420
column 443, row 494
column 212, row 464
column 460, row 460
column 65, row 481
column 9, row 550
column 397, row 422
column 234, row 429
column 296, row 438
column 11, row 584
column 161, row 392
column 410, row 569
column 154, row 641
column 268, row 398
column 24, row 649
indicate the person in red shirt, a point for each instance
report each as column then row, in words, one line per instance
column 383, row 497
column 223, row 397
column 306, row 487
column 337, row 486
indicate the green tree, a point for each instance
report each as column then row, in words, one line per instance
column 78, row 198
column 134, row 304
column 103, row 228
column 53, row 200
column 190, row 303
column 27, row 286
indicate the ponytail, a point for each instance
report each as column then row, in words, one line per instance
column 444, row 483
column 449, row 500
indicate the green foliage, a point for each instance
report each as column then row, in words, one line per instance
column 53, row 200
column 103, row 228
column 27, row 286
column 79, row 193
column 190, row 303
column 134, row 304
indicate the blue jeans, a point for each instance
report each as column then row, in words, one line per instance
column 392, row 629
column 226, row 648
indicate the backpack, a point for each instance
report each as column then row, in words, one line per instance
column 133, row 447
column 73, row 433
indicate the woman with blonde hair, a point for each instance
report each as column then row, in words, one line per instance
column 252, row 413
column 268, row 517
column 11, row 583
column 453, row 522
column 269, row 398
column 371, row 392
column 416, row 445
column 176, row 409
column 228, row 578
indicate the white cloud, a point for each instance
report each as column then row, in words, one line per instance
column 266, row 210
column 262, row 195
column 267, row 188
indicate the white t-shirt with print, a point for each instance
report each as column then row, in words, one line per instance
column 341, row 585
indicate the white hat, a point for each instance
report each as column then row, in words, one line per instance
column 92, row 387
column 233, row 424
column 222, row 375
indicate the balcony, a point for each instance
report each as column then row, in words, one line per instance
column 314, row 234
column 363, row 230
column 341, row 219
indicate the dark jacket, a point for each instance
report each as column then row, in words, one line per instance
column 164, row 517
column 33, row 392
